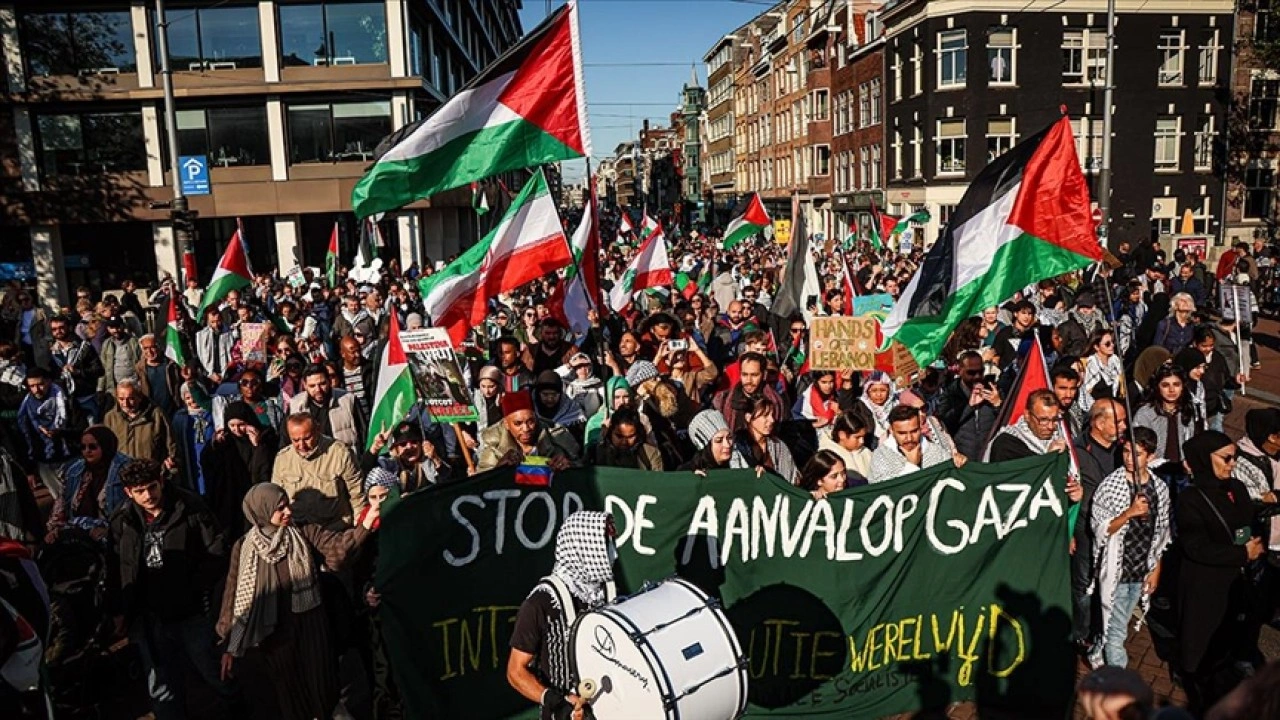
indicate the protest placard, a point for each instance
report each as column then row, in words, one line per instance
column 842, row 343
column 877, row 305
column 437, row 377
column 253, row 343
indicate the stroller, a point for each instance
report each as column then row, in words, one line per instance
column 84, row 673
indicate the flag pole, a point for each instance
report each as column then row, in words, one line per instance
column 1124, row 387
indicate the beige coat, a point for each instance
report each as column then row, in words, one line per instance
column 324, row 489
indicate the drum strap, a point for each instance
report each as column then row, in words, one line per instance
column 564, row 596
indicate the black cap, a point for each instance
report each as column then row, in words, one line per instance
column 115, row 322
column 406, row 432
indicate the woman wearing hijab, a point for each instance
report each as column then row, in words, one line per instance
column 879, row 398
column 1193, row 365
column 617, row 395
column 1214, row 518
column 271, row 609
column 242, row 455
column 380, row 485
column 710, row 435
column 193, row 427
column 488, row 397
column 91, row 485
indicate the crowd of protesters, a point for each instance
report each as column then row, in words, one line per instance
column 231, row 506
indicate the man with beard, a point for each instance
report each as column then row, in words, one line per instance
column 353, row 316
column 336, row 411
column 729, row 330
column 319, row 474
column 1037, row 432
column 552, row 351
column 906, row 450
column 520, row 435
column 213, row 346
column 158, row 377
column 515, row 373
column 751, row 384
column 78, row 365
column 969, row 406
column 554, row 407
column 539, row 666
column 413, row 459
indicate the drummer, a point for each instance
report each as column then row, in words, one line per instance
column 539, row 667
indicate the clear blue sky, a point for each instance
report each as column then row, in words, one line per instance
column 637, row 56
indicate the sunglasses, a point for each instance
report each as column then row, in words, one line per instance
column 89, row 446
column 796, row 331
column 251, row 381
column 1227, row 458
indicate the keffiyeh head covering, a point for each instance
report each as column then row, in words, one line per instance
column 380, row 477
column 583, row 555
column 880, row 412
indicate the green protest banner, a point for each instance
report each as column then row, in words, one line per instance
column 946, row 585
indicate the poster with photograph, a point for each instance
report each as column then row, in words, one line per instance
column 437, row 376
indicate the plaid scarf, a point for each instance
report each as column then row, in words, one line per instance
column 254, row 609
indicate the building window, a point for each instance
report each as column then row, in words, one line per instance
column 1259, row 197
column 952, row 50
column 821, row 160
column 336, row 132
column 1204, row 144
column 1088, row 133
column 74, row 144
column 1266, row 25
column 1209, row 47
column 897, row 155
column 897, row 76
column 212, row 38
column 230, row 136
column 1084, row 57
column 864, row 174
column 1264, row 98
column 876, row 101
column 77, row 43
column 864, row 105
column 875, row 167
column 1167, row 132
column 1170, row 49
column 417, row 50
column 951, row 146
column 917, row 151
column 333, row 33
column 917, row 69
column 1001, row 56
column 1000, row 136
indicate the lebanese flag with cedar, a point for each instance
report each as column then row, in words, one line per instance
column 528, row 108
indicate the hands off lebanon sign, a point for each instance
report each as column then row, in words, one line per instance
column 946, row 585
column 843, row 343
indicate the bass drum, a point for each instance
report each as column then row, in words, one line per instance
column 665, row 652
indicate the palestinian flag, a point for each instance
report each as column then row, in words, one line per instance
column 846, row 285
column 751, row 222
column 528, row 108
column 582, row 283
column 173, row 335
column 800, row 278
column 648, row 269
column 331, row 258
column 479, row 199
column 881, row 227
column 527, row 243
column 394, row 394
column 686, row 285
column 1026, row 217
column 902, row 225
column 232, row 274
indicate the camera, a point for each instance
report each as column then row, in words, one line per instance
column 677, row 345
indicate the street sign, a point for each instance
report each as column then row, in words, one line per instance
column 194, row 171
column 1097, row 215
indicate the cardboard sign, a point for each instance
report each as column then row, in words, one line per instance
column 253, row 343
column 878, row 305
column 843, row 343
column 437, row 377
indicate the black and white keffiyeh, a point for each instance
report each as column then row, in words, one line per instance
column 584, row 559
column 1022, row 431
column 1114, row 495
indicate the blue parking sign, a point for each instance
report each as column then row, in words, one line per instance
column 194, row 170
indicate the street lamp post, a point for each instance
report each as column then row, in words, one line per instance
column 179, row 211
